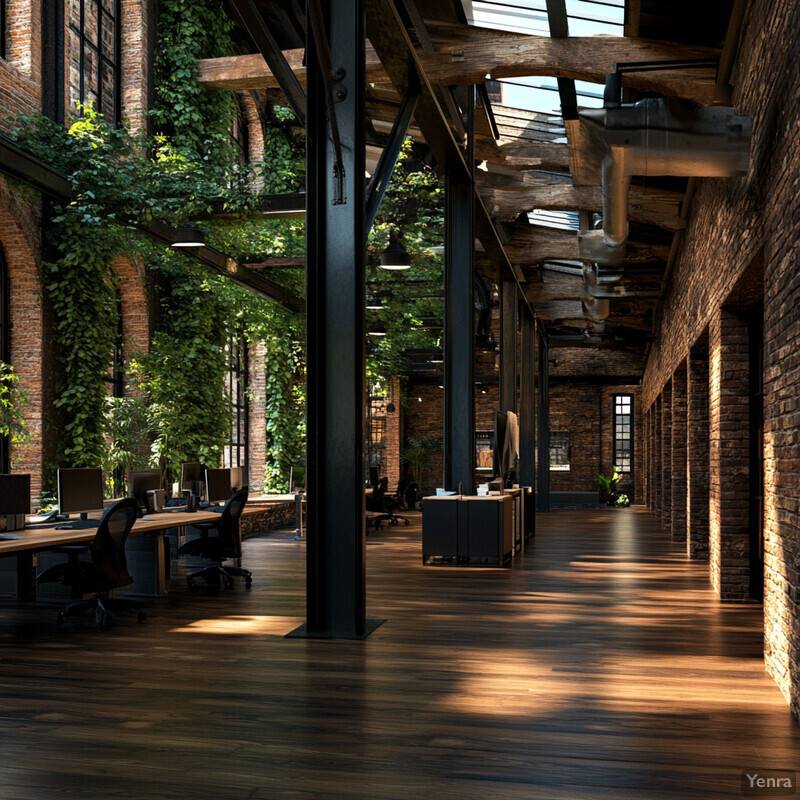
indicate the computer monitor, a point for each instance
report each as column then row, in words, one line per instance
column 15, row 501
column 15, row 494
column 191, row 473
column 80, row 491
column 297, row 479
column 218, row 485
column 142, row 481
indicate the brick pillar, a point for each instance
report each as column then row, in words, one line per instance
column 666, row 455
column 679, row 473
column 257, row 418
column 392, row 435
column 729, row 456
column 697, row 457
column 135, row 62
column 650, row 446
column 658, row 483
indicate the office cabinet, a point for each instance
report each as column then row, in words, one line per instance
column 467, row 531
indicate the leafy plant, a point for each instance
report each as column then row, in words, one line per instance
column 622, row 501
column 418, row 454
column 607, row 486
column 13, row 400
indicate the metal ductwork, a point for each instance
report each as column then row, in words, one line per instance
column 656, row 136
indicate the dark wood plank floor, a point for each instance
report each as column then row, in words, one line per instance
column 599, row 666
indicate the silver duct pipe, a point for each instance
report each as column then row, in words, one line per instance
column 657, row 136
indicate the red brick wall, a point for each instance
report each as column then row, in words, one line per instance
column 697, row 455
column 135, row 32
column 19, row 222
column 130, row 276
column 257, row 435
column 20, row 89
column 731, row 224
column 678, row 455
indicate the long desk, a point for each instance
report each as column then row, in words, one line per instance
column 145, row 550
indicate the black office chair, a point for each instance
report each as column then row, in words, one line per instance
column 380, row 504
column 107, row 570
column 225, row 545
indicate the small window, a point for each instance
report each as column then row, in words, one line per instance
column 623, row 432
column 559, row 451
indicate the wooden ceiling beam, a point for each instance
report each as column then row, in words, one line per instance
column 246, row 72
column 467, row 54
column 471, row 53
column 533, row 244
column 505, row 196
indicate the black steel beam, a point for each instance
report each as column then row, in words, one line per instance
column 229, row 268
column 21, row 165
column 508, row 346
column 335, row 578
column 543, row 473
column 459, row 328
column 399, row 57
column 41, row 176
column 252, row 21
column 389, row 155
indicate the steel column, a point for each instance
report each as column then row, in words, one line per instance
column 459, row 325
column 508, row 346
column 335, row 582
column 543, row 483
column 527, row 401
column 527, row 410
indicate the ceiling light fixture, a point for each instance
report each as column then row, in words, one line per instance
column 188, row 236
column 395, row 256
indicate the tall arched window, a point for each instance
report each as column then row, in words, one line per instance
column 94, row 45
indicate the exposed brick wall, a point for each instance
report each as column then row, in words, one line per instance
column 666, row 456
column 257, row 435
column 423, row 417
column 658, row 478
column 130, row 275
column 19, row 223
column 20, row 90
column 576, row 408
column 135, row 67
column 391, row 438
column 24, row 37
column 731, row 224
column 697, row 455
column 729, row 418
column 679, row 458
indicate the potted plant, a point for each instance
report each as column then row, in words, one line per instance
column 607, row 487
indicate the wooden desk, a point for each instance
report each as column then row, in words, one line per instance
column 146, row 553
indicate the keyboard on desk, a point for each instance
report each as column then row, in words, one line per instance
column 79, row 525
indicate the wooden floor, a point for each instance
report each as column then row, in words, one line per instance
column 598, row 666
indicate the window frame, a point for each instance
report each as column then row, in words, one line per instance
column 615, row 438
column 237, row 380
column 114, row 118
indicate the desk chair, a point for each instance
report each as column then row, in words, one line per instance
column 107, row 570
column 225, row 545
column 381, row 505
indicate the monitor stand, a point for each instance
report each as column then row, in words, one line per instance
column 84, row 515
